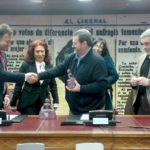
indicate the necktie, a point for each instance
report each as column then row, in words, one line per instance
column 78, row 62
column 4, row 65
column 3, row 62
column 145, row 67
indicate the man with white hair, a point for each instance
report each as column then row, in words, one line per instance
column 140, row 80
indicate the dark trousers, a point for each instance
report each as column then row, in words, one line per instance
column 142, row 106
column 108, row 105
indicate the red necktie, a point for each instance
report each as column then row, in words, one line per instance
column 2, row 59
column 4, row 65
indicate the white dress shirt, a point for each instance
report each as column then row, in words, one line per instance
column 40, row 66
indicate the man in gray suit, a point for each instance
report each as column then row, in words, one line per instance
column 140, row 80
column 5, row 43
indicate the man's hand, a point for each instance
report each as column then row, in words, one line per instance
column 31, row 77
column 76, row 88
column 144, row 81
column 13, row 108
column 6, row 101
column 134, row 81
column 140, row 81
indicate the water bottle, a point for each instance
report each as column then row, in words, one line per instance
column 70, row 81
column 47, row 111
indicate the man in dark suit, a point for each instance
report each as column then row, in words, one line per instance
column 5, row 42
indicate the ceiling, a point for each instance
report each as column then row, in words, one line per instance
column 70, row 7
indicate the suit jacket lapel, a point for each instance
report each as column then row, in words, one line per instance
column 141, row 63
column 33, row 68
column 46, row 68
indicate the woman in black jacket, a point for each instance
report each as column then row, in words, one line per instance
column 100, row 46
column 28, row 98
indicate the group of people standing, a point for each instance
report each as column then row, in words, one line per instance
column 90, row 64
column 27, row 98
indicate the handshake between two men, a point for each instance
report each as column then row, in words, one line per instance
column 31, row 77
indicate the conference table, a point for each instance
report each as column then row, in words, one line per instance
column 132, row 132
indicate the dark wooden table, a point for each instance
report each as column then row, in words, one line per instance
column 57, row 137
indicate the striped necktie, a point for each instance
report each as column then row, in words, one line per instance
column 3, row 62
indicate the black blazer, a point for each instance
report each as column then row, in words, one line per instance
column 27, row 94
column 91, row 74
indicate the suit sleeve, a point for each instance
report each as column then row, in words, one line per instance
column 57, row 71
column 11, row 77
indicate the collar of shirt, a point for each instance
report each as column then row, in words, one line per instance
column 79, row 58
column 147, row 57
column 40, row 66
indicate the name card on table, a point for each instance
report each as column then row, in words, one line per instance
column 100, row 121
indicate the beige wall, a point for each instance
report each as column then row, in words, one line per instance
column 63, row 106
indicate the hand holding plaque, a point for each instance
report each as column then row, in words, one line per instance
column 71, row 80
